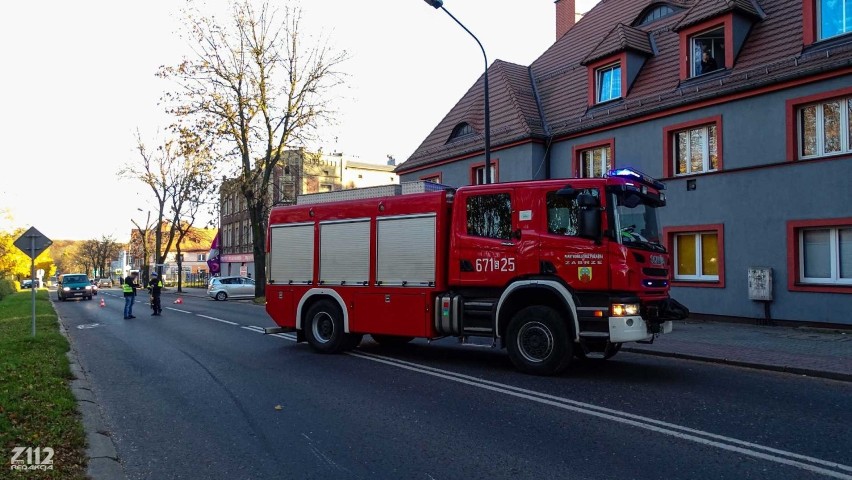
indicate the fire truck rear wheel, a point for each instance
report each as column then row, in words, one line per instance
column 391, row 340
column 539, row 341
column 324, row 328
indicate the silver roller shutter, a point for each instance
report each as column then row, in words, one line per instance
column 406, row 250
column 291, row 252
column 345, row 252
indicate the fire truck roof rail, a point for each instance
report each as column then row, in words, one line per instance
column 404, row 188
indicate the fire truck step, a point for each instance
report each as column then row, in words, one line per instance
column 594, row 335
column 274, row 330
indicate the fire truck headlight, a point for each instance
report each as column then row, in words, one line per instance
column 624, row 309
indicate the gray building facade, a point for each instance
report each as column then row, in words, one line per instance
column 755, row 155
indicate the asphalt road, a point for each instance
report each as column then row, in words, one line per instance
column 200, row 393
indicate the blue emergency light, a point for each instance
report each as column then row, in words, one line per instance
column 637, row 175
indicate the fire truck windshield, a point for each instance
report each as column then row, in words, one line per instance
column 636, row 222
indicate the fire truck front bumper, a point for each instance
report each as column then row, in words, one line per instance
column 635, row 328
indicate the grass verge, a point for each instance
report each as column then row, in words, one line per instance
column 37, row 408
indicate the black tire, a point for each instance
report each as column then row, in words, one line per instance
column 609, row 350
column 221, row 296
column 324, row 328
column 538, row 341
column 390, row 340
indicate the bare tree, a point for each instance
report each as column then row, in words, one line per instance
column 254, row 85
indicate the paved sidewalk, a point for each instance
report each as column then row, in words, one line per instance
column 807, row 351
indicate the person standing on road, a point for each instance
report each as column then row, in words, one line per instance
column 155, row 287
column 129, row 288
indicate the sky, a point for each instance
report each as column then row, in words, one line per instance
column 79, row 81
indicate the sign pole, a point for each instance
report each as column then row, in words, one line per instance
column 32, row 276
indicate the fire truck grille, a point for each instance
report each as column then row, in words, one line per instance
column 656, row 272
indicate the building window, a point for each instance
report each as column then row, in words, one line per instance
column 325, row 187
column 461, row 130
column 490, row 216
column 698, row 253
column 477, row 173
column 834, row 18
column 608, row 83
column 595, row 162
column 825, row 128
column 436, row 178
column 696, row 150
column 202, row 257
column 825, row 255
column 655, row 13
column 707, row 51
column 696, row 256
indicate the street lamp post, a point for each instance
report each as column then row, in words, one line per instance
column 440, row 4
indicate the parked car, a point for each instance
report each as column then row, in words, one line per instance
column 29, row 283
column 105, row 283
column 223, row 288
column 73, row 285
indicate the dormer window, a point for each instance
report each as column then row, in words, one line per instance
column 707, row 51
column 712, row 35
column 462, row 130
column 654, row 13
column 608, row 83
column 834, row 18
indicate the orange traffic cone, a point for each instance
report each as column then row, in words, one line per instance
column 179, row 300
column 103, row 304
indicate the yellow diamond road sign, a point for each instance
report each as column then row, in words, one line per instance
column 33, row 242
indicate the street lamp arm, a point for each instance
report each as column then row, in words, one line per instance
column 487, row 177
column 472, row 35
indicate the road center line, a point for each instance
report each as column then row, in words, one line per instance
column 622, row 417
column 177, row 310
column 217, row 319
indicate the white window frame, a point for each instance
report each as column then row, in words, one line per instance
column 479, row 174
column 844, row 15
column 705, row 133
column 845, row 140
column 834, row 254
column 605, row 158
column 695, row 52
column 599, row 74
column 699, row 254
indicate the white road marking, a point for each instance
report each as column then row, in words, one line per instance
column 624, row 417
column 177, row 310
column 217, row 319
column 815, row 465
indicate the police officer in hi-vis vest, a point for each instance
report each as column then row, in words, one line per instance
column 129, row 288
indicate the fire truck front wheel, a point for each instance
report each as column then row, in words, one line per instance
column 324, row 327
column 538, row 341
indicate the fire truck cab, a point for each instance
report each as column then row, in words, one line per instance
column 550, row 269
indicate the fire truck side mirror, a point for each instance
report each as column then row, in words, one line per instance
column 589, row 217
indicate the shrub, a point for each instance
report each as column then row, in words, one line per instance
column 8, row 287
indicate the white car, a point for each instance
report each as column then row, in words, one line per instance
column 223, row 288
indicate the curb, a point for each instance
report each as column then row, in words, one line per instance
column 843, row 377
column 102, row 456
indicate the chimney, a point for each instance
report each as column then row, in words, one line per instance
column 565, row 16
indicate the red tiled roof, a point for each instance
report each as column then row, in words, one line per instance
column 619, row 39
column 772, row 53
column 707, row 9
column 514, row 115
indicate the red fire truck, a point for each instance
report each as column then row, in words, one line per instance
column 549, row 269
